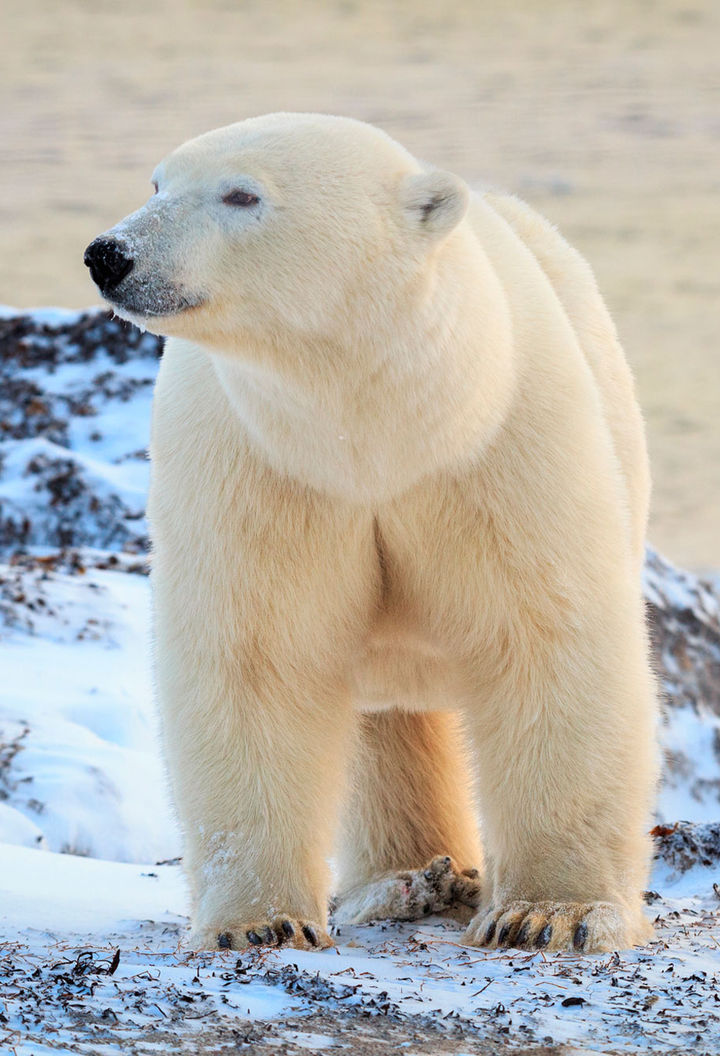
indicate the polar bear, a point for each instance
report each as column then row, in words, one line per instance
column 398, row 503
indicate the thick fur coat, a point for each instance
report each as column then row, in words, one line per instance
column 398, row 504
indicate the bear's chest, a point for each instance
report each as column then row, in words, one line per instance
column 365, row 444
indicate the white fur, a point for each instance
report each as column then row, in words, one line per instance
column 399, row 478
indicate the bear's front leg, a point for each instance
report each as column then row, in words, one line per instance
column 565, row 745
column 256, row 774
column 257, row 795
column 261, row 594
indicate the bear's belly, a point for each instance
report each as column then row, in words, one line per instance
column 402, row 668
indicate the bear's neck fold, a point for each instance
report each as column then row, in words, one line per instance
column 368, row 420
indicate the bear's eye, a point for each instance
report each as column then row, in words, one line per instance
column 241, row 198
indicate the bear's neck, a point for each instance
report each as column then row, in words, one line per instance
column 368, row 420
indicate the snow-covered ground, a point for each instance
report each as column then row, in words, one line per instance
column 80, row 768
column 91, row 955
column 66, row 919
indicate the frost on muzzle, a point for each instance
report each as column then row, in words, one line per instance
column 127, row 264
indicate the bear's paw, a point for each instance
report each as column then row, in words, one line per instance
column 586, row 927
column 440, row 887
column 281, row 931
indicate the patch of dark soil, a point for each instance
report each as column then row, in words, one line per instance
column 686, row 844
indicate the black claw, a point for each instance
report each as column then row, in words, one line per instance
column 504, row 932
column 310, row 935
column 253, row 938
column 288, row 929
column 523, row 934
column 224, row 940
column 490, row 932
column 268, row 935
column 580, row 936
column 544, row 937
column 426, row 908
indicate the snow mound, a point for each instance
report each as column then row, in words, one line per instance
column 80, row 767
column 684, row 613
column 75, row 398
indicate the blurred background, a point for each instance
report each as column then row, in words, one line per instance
column 604, row 116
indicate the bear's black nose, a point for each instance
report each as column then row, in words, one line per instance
column 107, row 262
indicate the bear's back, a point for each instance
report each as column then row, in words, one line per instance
column 576, row 289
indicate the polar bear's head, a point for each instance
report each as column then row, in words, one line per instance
column 283, row 223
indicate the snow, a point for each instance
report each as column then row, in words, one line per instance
column 692, row 736
column 85, row 817
column 656, row 999
column 95, row 909
column 88, row 774
column 47, row 315
column 88, row 895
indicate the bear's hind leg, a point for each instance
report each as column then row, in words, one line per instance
column 409, row 840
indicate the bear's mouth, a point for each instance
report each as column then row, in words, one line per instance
column 158, row 307
column 150, row 299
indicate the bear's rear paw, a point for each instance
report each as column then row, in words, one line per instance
column 587, row 927
column 281, row 931
column 441, row 887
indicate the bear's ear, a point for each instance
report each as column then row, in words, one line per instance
column 434, row 202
